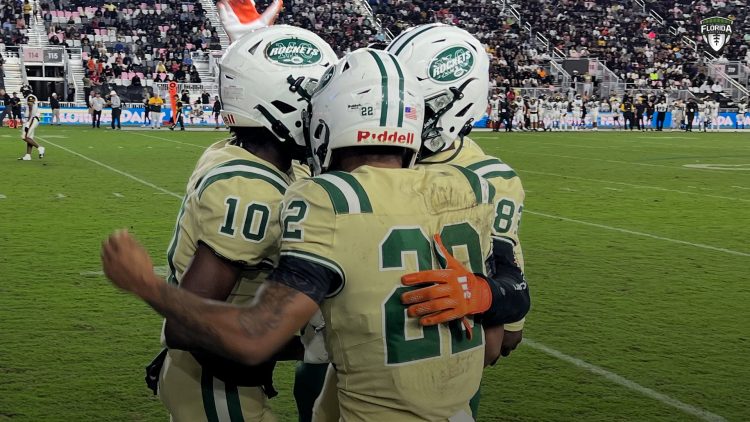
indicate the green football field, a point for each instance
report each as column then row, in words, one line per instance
column 636, row 248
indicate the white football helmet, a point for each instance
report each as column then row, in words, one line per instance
column 367, row 99
column 255, row 75
column 453, row 69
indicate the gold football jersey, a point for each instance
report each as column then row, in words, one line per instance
column 509, row 196
column 370, row 227
column 232, row 206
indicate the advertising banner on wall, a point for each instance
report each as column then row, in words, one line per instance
column 132, row 117
column 606, row 120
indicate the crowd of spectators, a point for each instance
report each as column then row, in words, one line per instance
column 133, row 41
column 14, row 16
column 641, row 50
column 154, row 39
column 340, row 23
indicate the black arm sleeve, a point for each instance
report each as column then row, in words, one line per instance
column 314, row 280
column 510, row 292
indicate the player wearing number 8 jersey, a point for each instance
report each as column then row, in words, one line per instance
column 348, row 236
column 453, row 103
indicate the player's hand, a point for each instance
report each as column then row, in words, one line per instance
column 127, row 264
column 511, row 340
column 456, row 292
column 239, row 17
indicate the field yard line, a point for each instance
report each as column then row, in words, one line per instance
column 635, row 185
column 613, row 161
column 108, row 167
column 593, row 137
column 622, row 381
column 653, row 236
column 169, row 140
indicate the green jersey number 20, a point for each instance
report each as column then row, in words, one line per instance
column 400, row 347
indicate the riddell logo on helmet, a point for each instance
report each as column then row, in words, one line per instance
column 451, row 64
column 385, row 137
column 293, row 52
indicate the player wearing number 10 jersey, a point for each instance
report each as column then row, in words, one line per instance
column 227, row 237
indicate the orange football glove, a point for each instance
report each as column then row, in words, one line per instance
column 456, row 293
column 240, row 17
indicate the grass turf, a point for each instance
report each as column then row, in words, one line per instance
column 638, row 265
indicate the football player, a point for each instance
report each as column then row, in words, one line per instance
column 495, row 113
column 741, row 113
column 348, row 235
column 29, row 128
column 593, row 107
column 227, row 236
column 577, row 107
column 534, row 114
column 451, row 110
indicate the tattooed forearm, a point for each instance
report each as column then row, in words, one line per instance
column 246, row 334
column 186, row 310
column 269, row 309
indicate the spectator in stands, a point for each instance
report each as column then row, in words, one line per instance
column 87, row 86
column 185, row 98
column 205, row 97
column 135, row 80
column 97, row 105
column 71, row 94
column 54, row 104
column 27, row 9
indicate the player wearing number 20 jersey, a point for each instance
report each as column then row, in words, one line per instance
column 367, row 228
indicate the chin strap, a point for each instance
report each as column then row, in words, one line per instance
column 277, row 127
column 431, row 130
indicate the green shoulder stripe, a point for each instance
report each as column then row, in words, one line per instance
column 492, row 168
column 246, row 169
column 483, row 191
column 346, row 193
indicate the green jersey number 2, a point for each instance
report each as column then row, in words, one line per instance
column 423, row 342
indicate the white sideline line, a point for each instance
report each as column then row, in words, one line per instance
column 118, row 194
column 624, row 382
column 99, row 163
column 568, row 190
column 60, row 196
column 169, row 140
column 635, row 185
column 2, row 196
column 613, row 161
column 740, row 187
column 653, row 236
column 615, row 189
column 159, row 270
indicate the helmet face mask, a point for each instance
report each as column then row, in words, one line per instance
column 453, row 69
column 367, row 99
column 263, row 78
